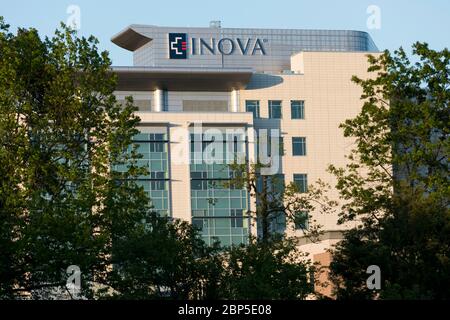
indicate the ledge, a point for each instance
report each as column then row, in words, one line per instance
column 181, row 79
column 130, row 39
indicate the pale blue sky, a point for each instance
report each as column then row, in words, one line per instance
column 402, row 21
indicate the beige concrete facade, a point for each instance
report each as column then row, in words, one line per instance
column 330, row 98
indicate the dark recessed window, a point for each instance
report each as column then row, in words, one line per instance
column 237, row 220
column 275, row 110
column 253, row 107
column 301, row 220
column 299, row 146
column 301, row 180
column 297, row 109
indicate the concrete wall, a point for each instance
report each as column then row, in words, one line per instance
column 330, row 98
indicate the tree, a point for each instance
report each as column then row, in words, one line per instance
column 62, row 134
column 162, row 259
column 271, row 266
column 396, row 184
column 272, row 199
column 272, row 270
column 68, row 194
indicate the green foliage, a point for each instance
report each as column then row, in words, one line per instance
column 273, row 270
column 61, row 132
column 162, row 259
column 272, row 198
column 271, row 266
column 396, row 184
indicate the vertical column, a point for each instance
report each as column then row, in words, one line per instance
column 179, row 162
column 159, row 100
column 251, row 144
column 235, row 101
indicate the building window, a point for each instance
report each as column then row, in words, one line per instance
column 301, row 181
column 253, row 107
column 298, row 109
column 277, row 183
column 154, row 157
column 275, row 110
column 237, row 220
column 299, row 146
column 198, row 223
column 218, row 208
column 301, row 220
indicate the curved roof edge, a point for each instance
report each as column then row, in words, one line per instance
column 130, row 39
column 176, row 79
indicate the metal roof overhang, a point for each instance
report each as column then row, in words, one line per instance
column 130, row 39
column 181, row 79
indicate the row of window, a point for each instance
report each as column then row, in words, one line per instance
column 238, row 220
column 298, row 146
column 300, row 179
column 298, row 149
column 217, row 207
column 154, row 150
column 276, row 109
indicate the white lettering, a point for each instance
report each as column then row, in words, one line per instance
column 227, row 46
column 187, row 310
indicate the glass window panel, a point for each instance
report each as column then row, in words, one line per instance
column 253, row 107
column 299, row 146
column 237, row 240
column 236, row 203
column 144, row 184
column 156, row 165
column 198, row 223
column 222, row 194
column 202, row 203
column 301, row 220
column 225, row 241
column 275, row 111
column 143, row 163
column 141, row 137
column 223, row 223
column 143, row 148
column 301, row 180
column 235, row 193
column 297, row 109
column 199, row 213
column 222, row 203
column 157, row 194
column 157, row 203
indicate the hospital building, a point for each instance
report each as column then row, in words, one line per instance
column 248, row 80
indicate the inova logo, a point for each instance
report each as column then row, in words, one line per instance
column 178, row 45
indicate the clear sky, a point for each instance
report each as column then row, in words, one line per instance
column 402, row 22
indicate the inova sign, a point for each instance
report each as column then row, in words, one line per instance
column 179, row 46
